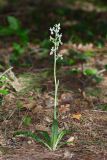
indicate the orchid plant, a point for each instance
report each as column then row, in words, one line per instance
column 55, row 38
column 51, row 141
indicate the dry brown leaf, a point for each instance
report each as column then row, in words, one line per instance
column 64, row 108
column 14, row 81
column 49, row 101
column 76, row 116
column 66, row 98
column 42, row 128
column 30, row 104
column 37, row 109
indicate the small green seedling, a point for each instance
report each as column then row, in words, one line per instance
column 27, row 120
column 51, row 141
column 3, row 83
column 3, row 90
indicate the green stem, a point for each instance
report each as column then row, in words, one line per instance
column 56, row 85
column 55, row 81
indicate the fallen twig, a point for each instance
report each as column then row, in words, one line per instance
column 9, row 69
column 99, row 111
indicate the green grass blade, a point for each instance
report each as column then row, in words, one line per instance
column 32, row 135
column 45, row 136
column 27, row 134
column 60, row 136
column 54, row 133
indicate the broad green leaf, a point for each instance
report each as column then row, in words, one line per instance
column 4, row 91
column 18, row 49
column 98, row 78
column 71, row 61
column 89, row 53
column 14, row 23
column 90, row 72
column 5, row 31
column 24, row 38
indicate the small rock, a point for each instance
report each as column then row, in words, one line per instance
column 68, row 154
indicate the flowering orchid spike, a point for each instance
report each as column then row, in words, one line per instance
column 56, row 40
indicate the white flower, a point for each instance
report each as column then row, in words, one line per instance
column 58, row 26
column 51, row 30
column 60, row 56
column 51, row 53
column 52, row 50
